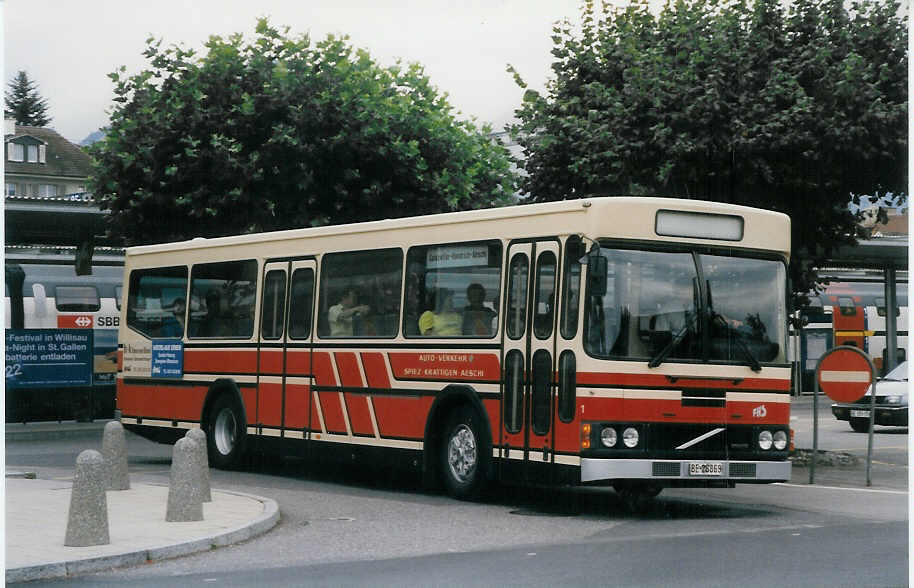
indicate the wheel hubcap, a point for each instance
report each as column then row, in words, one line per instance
column 224, row 431
column 461, row 454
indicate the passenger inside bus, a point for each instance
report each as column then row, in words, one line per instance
column 211, row 324
column 343, row 315
column 443, row 321
column 478, row 319
column 173, row 326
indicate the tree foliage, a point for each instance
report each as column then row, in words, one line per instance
column 277, row 133
column 798, row 109
column 24, row 103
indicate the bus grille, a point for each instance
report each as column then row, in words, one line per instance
column 664, row 468
column 742, row 470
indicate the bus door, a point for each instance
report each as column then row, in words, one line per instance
column 283, row 405
column 529, row 349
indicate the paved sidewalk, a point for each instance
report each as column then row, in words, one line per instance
column 36, row 524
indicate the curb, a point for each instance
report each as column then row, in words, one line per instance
column 46, row 432
column 266, row 521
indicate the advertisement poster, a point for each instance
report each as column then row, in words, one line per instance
column 45, row 358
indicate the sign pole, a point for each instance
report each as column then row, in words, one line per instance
column 869, row 445
column 815, row 428
column 845, row 373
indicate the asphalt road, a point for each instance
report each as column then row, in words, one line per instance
column 359, row 526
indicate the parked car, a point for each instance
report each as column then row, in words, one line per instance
column 891, row 403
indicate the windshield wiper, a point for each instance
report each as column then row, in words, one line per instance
column 674, row 342
column 722, row 322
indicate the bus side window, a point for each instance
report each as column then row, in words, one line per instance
column 301, row 300
column 360, row 294
column 571, row 287
column 452, row 290
column 222, row 299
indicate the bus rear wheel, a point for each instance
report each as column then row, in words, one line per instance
column 462, row 457
column 225, row 433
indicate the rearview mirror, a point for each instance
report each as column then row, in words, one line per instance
column 597, row 269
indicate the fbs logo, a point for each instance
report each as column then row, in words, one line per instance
column 759, row 412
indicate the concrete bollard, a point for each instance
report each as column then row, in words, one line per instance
column 114, row 450
column 199, row 436
column 185, row 499
column 87, row 523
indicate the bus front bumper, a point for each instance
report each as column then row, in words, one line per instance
column 699, row 471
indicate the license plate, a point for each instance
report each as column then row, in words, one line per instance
column 706, row 469
column 860, row 413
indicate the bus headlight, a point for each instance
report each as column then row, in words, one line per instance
column 630, row 437
column 608, row 437
column 780, row 440
column 765, row 440
column 894, row 399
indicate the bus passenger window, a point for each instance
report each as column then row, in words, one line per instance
column 155, row 296
column 452, row 290
column 274, row 302
column 222, row 299
column 571, row 287
column 360, row 294
column 301, row 301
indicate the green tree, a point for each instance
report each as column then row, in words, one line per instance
column 24, row 103
column 275, row 133
column 799, row 109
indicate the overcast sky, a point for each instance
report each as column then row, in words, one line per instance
column 69, row 46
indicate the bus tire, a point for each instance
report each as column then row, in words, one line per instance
column 225, row 434
column 860, row 425
column 463, row 459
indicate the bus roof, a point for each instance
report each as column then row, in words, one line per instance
column 620, row 217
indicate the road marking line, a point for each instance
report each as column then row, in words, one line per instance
column 903, row 492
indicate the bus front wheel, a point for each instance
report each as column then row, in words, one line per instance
column 225, row 434
column 463, row 459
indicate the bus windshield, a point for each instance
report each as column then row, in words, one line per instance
column 667, row 306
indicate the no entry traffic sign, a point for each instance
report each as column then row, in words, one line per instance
column 844, row 373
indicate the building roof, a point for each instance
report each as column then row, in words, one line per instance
column 63, row 157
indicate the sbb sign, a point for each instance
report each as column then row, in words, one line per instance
column 87, row 321
column 75, row 321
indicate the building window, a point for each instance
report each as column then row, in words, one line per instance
column 16, row 152
column 33, row 153
column 11, row 189
column 47, row 190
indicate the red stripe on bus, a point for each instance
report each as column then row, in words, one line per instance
column 323, row 370
column 375, row 371
column 348, row 367
column 678, row 383
column 297, row 400
column 223, row 361
column 269, row 404
column 271, row 361
column 359, row 415
column 298, row 362
column 402, row 417
column 188, row 402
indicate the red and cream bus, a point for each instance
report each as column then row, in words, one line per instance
column 638, row 342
